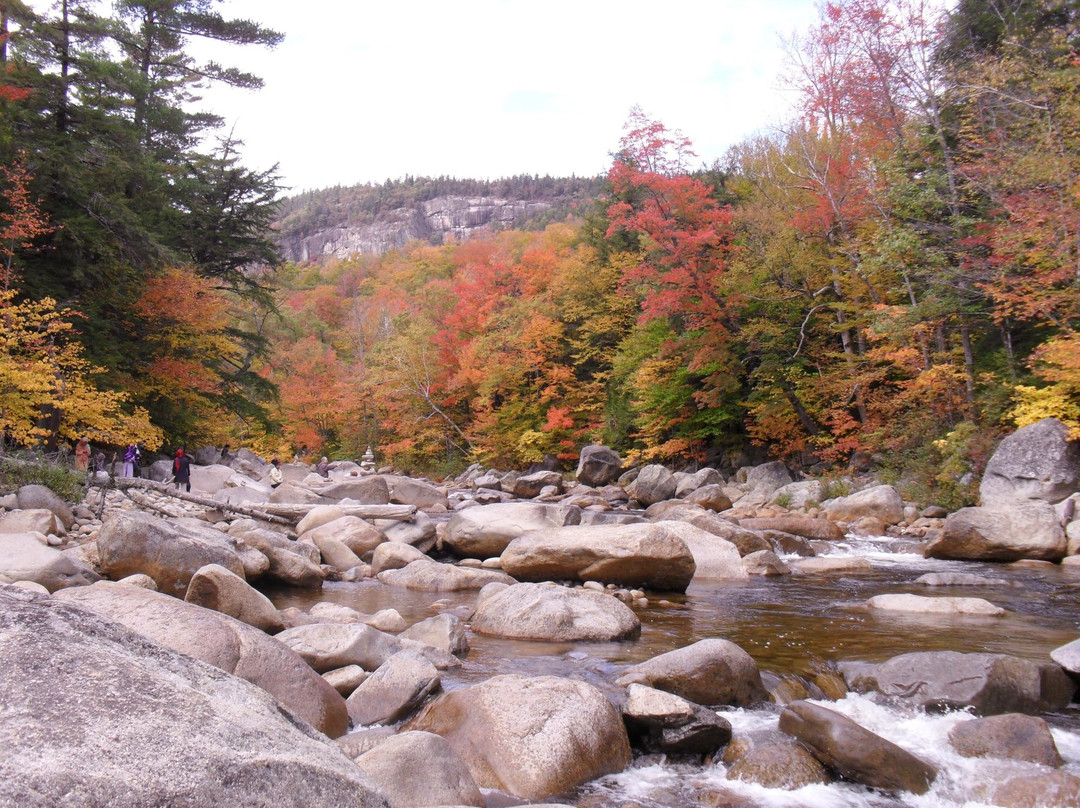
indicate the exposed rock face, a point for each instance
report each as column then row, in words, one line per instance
column 854, row 751
column 32, row 520
column 223, row 642
column 1013, row 736
column 24, row 558
column 630, row 555
column 598, row 466
column 530, row 737
column 1037, row 462
column 431, row 221
column 707, row 672
column 484, row 531
column 989, row 684
column 554, row 613
column 1010, row 533
column 420, row 768
column 95, row 715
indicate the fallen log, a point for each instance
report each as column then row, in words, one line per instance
column 399, row 512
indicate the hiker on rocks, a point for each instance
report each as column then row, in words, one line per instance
column 99, row 463
column 323, row 468
column 275, row 473
column 131, row 454
column 82, row 455
column 182, row 470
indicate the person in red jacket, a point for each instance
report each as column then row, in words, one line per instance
column 182, row 470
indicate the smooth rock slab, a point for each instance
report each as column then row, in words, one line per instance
column 214, row 587
column 394, row 691
column 1036, row 463
column 23, row 557
column 95, row 715
column 431, row 576
column 484, row 531
column 1001, row 534
column 855, row 752
column 708, row 672
column 915, row 604
column 530, row 737
column 420, row 768
column 326, row 646
column 1013, row 736
column 553, row 613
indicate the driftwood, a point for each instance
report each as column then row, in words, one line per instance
column 273, row 512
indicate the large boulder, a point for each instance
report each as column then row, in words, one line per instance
column 687, row 484
column 430, row 576
column 708, row 672
column 598, row 466
column 420, row 768
column 393, row 555
column 646, row 555
column 767, row 477
column 326, row 646
column 443, row 631
column 855, row 752
column 714, row 558
column 747, row 541
column 40, row 496
column 663, row 722
column 214, row 587
column 710, row 497
column 1068, row 657
column 1001, row 534
column 358, row 535
column 880, row 501
column 33, row 520
column 553, row 613
column 484, row 531
column 805, row 526
column 654, row 483
column 528, row 486
column 96, row 715
column 530, row 737
column 1012, row 736
column 364, row 490
column 987, row 684
column 1035, row 463
column 223, row 642
column 25, row 557
column 799, row 496
column 169, row 552
column 916, row 604
column 407, row 491
column 394, row 690
column 775, row 763
column 293, row 563
column 334, row 552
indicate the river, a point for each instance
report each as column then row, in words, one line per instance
column 793, row 626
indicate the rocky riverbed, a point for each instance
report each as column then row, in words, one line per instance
column 637, row 639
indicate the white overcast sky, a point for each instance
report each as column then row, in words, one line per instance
column 368, row 91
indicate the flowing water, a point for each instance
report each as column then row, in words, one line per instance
column 792, row 626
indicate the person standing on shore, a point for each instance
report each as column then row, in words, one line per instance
column 130, row 453
column 276, row 478
column 82, row 455
column 182, row 471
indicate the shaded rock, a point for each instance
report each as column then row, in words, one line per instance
column 710, row 497
column 122, row 722
column 393, row 556
column 779, row 764
column 484, row 531
column 443, row 631
column 1001, row 534
column 800, row 495
column 805, row 526
column 334, row 552
column 662, row 722
column 430, row 576
column 23, row 557
column 420, row 531
column 31, row 497
column 708, row 672
column 530, row 737
column 1036, row 463
column 687, row 484
column 394, row 690
column 553, row 613
column 855, row 752
column 420, row 768
column 291, row 562
column 768, row 477
column 214, row 587
column 881, row 501
column 789, row 543
column 169, row 552
column 654, row 483
column 408, row 491
column 530, row 485
column 221, row 641
column 372, row 490
column 914, row 604
column 988, row 684
column 598, row 466
column 765, row 562
column 1013, row 736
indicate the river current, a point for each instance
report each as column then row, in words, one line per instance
column 793, row 626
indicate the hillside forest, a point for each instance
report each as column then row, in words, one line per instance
column 895, row 272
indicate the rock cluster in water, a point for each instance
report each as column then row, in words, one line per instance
column 141, row 662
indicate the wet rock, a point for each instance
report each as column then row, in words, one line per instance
column 32, row 497
column 646, row 555
column 23, row 557
column 855, row 752
column 1001, row 534
column 122, row 722
column 1013, row 736
column 394, row 690
column 393, row 556
column 214, row 587
column 662, row 722
column 485, row 531
column 654, row 483
column 708, row 672
column 430, row 576
column 765, row 562
column 790, row 544
column 785, row 765
column 326, row 646
column 786, row 688
column 882, row 501
column 1036, row 463
column 553, row 613
column 914, row 604
column 443, row 631
column 830, row 564
column 961, row 579
column 988, row 684
column 1038, row 789
column 530, row 737
column 598, row 466
column 420, row 768
column 221, row 641
column 805, row 526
